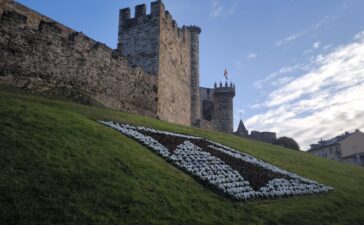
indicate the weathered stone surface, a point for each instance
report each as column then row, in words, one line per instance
column 155, row 43
column 174, row 73
column 139, row 40
column 223, row 108
column 217, row 107
column 154, row 71
column 268, row 137
column 195, row 74
column 53, row 56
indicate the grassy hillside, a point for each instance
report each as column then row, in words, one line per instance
column 59, row 166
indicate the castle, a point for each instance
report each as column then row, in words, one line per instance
column 154, row 71
column 265, row 136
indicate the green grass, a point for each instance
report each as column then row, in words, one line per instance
column 59, row 166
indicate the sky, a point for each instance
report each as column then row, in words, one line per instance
column 298, row 66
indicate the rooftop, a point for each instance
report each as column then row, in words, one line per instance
column 332, row 141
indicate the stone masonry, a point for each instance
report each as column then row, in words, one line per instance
column 154, row 71
column 217, row 107
column 156, row 43
column 265, row 136
column 39, row 54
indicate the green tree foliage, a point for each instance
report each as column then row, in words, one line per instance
column 287, row 143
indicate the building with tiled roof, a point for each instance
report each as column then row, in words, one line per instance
column 348, row 147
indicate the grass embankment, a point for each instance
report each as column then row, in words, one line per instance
column 59, row 166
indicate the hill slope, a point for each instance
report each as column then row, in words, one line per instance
column 59, row 166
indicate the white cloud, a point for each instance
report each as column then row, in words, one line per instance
column 316, row 45
column 282, row 80
column 216, row 9
column 242, row 111
column 233, row 7
column 252, row 56
column 275, row 76
column 299, row 34
column 326, row 47
column 359, row 36
column 322, row 101
column 308, row 51
column 260, row 83
column 290, row 38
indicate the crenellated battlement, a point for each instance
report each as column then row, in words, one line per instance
column 49, row 28
column 154, row 71
column 224, row 88
column 14, row 18
column 81, row 41
column 182, row 33
column 157, row 16
column 140, row 10
column 11, row 19
column 125, row 14
column 46, row 55
column 156, row 43
column 168, row 17
column 33, row 20
column 194, row 29
column 156, row 9
column 223, row 111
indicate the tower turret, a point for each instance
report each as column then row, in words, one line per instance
column 195, row 74
column 139, row 36
column 155, row 43
column 223, row 112
column 242, row 131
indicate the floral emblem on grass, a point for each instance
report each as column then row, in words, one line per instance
column 227, row 171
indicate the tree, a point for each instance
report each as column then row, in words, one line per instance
column 287, row 143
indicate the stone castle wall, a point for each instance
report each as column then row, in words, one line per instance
column 139, row 38
column 206, row 104
column 217, row 107
column 223, row 108
column 268, row 137
column 155, row 42
column 42, row 55
column 195, row 74
column 174, row 72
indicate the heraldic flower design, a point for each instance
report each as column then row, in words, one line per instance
column 227, row 171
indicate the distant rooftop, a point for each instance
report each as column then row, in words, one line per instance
column 332, row 141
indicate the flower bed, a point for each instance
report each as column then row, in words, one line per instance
column 229, row 172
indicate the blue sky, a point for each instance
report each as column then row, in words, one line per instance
column 298, row 65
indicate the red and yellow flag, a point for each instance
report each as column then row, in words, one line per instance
column 226, row 74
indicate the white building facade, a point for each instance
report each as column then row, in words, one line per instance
column 348, row 148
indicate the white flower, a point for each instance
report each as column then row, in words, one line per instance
column 215, row 172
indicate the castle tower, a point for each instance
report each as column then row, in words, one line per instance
column 139, row 37
column 242, row 131
column 195, row 74
column 223, row 107
column 155, row 43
